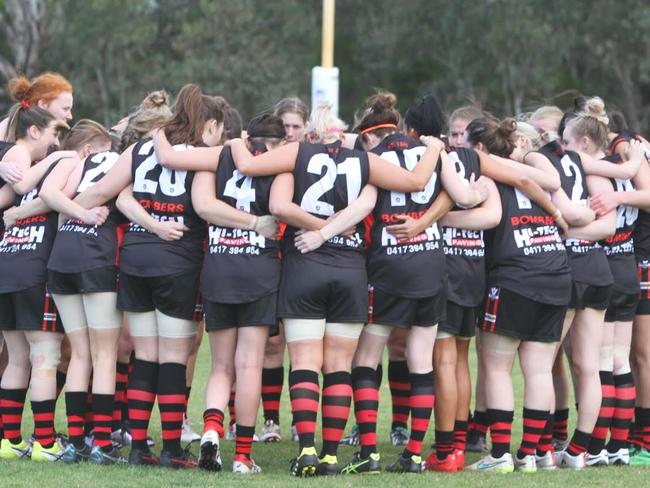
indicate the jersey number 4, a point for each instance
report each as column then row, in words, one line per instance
column 240, row 188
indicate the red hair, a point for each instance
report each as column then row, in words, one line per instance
column 44, row 87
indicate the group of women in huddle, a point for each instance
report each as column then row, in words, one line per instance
column 530, row 234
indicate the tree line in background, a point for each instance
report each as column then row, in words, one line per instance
column 508, row 55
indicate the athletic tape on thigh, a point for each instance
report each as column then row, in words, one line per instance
column 303, row 329
column 499, row 344
column 101, row 310
column 174, row 328
column 143, row 324
column 350, row 330
column 379, row 330
column 71, row 310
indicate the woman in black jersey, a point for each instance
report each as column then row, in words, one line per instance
column 160, row 263
column 27, row 315
column 588, row 132
column 240, row 277
column 528, row 280
column 83, row 280
column 322, row 329
column 417, row 304
column 640, row 354
column 581, row 175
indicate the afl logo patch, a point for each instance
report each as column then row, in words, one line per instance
column 494, row 293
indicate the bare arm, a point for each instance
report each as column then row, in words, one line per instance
column 283, row 208
column 34, row 174
column 7, row 196
column 607, row 201
column 411, row 227
column 346, row 218
column 195, row 159
column 392, row 177
column 117, row 178
column 58, row 189
column 487, row 216
column 574, row 214
column 211, row 209
column 132, row 210
column 625, row 171
column 464, row 195
column 537, row 167
column 276, row 161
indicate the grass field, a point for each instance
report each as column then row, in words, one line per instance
column 274, row 460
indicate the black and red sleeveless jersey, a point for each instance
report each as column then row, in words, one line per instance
column 327, row 178
column 620, row 247
column 166, row 195
column 587, row 259
column 465, row 248
column 240, row 265
column 525, row 252
column 25, row 246
column 81, row 247
column 4, row 148
column 416, row 268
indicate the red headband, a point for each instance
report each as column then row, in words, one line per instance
column 379, row 126
column 25, row 104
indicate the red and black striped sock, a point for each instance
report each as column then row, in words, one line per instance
column 421, row 403
column 272, row 381
column 501, row 430
column 545, row 443
column 643, row 423
column 460, row 435
column 366, row 404
column 232, row 413
column 304, row 392
column 60, row 382
column 481, row 422
column 534, row 423
column 625, row 398
column 608, row 403
column 244, row 440
column 44, row 422
column 89, row 419
column 579, row 442
column 561, row 424
column 635, row 437
column 400, row 391
column 103, row 407
column 12, row 405
column 171, row 403
column 141, row 395
column 76, row 405
column 213, row 420
column 2, row 430
column 121, row 379
column 337, row 398
column 444, row 444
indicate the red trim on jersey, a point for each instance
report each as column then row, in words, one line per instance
column 367, row 237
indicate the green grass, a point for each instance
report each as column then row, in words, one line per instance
column 274, row 460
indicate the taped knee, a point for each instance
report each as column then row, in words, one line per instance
column 174, row 328
column 621, row 359
column 44, row 354
column 606, row 359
